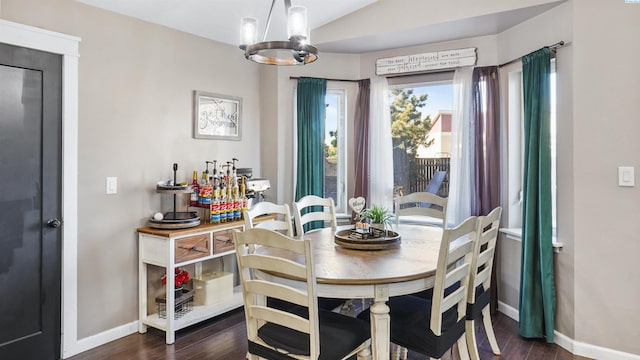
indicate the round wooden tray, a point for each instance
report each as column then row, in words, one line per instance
column 173, row 189
column 346, row 239
column 177, row 220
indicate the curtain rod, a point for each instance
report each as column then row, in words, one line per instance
column 346, row 80
column 553, row 49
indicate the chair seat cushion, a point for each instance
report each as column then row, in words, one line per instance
column 339, row 335
column 410, row 326
column 483, row 297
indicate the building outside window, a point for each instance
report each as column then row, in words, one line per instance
column 421, row 132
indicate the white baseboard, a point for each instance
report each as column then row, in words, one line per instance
column 102, row 338
column 600, row 353
column 573, row 346
column 508, row 310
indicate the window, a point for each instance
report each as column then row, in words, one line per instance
column 421, row 131
column 335, row 147
column 515, row 144
column 335, row 164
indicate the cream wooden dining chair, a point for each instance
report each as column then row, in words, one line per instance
column 433, row 326
column 423, row 204
column 281, row 223
column 479, row 294
column 313, row 208
column 299, row 332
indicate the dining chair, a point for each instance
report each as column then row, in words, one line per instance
column 312, row 208
column 433, row 326
column 479, row 294
column 302, row 331
column 281, row 223
column 309, row 209
column 423, row 204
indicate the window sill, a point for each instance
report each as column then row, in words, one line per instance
column 516, row 234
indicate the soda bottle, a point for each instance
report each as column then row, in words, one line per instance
column 223, row 203
column 243, row 199
column 215, row 206
column 195, row 193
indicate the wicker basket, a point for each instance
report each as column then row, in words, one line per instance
column 183, row 304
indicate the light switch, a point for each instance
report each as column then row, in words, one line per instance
column 626, row 176
column 111, row 185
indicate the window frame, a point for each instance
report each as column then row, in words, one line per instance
column 342, row 154
column 515, row 150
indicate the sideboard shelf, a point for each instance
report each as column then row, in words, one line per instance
column 180, row 247
column 198, row 313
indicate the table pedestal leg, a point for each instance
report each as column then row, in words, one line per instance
column 380, row 324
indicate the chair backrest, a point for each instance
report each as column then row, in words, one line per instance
column 436, row 181
column 482, row 261
column 313, row 208
column 281, row 223
column 454, row 264
column 255, row 291
column 421, row 203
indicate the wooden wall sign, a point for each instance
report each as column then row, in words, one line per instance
column 427, row 61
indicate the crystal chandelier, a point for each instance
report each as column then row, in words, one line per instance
column 267, row 52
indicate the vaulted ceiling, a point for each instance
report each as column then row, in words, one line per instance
column 345, row 26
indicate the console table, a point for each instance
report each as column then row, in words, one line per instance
column 180, row 247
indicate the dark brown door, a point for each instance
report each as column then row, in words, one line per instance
column 30, row 203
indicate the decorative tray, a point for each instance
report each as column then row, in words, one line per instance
column 176, row 220
column 164, row 187
column 375, row 240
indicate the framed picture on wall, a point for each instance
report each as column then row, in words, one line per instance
column 216, row 116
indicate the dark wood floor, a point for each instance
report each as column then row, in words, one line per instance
column 224, row 338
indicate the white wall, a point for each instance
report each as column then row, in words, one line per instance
column 606, row 107
column 135, row 121
column 598, row 104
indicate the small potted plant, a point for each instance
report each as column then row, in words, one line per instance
column 181, row 277
column 378, row 217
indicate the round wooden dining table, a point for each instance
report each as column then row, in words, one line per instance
column 376, row 274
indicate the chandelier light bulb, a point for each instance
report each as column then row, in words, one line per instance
column 248, row 31
column 297, row 22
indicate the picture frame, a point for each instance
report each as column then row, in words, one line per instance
column 216, row 116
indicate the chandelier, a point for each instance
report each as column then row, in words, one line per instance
column 268, row 52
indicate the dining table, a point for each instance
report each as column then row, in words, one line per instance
column 348, row 273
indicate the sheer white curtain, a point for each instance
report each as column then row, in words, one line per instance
column 380, row 146
column 462, row 156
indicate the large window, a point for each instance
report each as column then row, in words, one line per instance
column 335, row 163
column 421, row 133
column 515, row 142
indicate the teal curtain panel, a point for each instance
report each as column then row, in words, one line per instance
column 537, row 289
column 311, row 106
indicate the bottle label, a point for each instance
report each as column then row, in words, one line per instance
column 207, row 194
